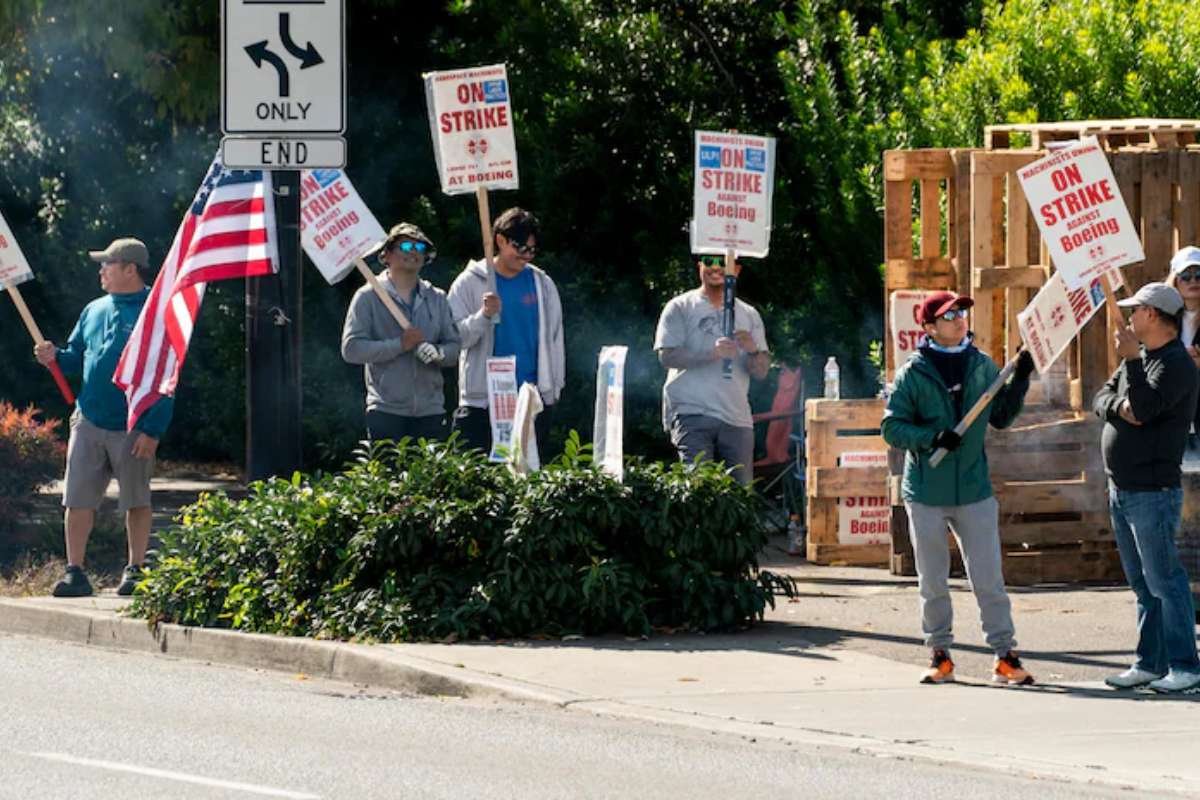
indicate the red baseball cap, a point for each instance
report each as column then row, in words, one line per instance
column 939, row 303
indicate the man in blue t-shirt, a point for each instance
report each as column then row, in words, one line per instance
column 530, row 327
column 99, row 447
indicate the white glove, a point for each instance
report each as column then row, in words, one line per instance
column 429, row 353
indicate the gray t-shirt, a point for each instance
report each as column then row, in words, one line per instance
column 690, row 321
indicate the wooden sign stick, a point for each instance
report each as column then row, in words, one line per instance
column 64, row 388
column 489, row 243
column 982, row 403
column 381, row 292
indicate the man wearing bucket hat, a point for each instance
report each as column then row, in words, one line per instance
column 932, row 391
column 1147, row 406
column 402, row 369
column 99, row 447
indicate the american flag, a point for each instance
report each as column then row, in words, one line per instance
column 228, row 232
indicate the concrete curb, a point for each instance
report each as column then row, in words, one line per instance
column 349, row 663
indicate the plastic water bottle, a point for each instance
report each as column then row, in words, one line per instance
column 795, row 536
column 833, row 380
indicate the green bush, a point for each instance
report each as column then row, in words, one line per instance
column 30, row 457
column 420, row 540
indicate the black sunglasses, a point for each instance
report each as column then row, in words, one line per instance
column 1190, row 275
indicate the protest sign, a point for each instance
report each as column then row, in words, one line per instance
column 523, row 457
column 608, row 428
column 734, row 184
column 14, row 270
column 905, row 321
column 336, row 227
column 470, row 117
column 502, row 403
column 1055, row 317
column 1079, row 209
column 864, row 520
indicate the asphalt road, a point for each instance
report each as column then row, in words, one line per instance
column 81, row 722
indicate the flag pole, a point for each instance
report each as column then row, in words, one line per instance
column 64, row 388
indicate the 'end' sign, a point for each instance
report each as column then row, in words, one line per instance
column 734, row 184
column 470, row 116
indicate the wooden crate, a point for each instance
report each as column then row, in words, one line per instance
column 1054, row 523
column 1112, row 133
column 832, row 428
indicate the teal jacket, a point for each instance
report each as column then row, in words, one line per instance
column 93, row 350
column 920, row 406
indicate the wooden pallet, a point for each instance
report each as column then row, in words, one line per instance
column 1111, row 133
column 1054, row 524
column 832, row 428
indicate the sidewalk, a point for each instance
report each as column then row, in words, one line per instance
column 776, row 681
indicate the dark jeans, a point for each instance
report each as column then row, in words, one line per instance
column 1144, row 525
column 382, row 425
column 475, row 430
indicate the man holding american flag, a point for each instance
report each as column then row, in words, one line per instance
column 227, row 232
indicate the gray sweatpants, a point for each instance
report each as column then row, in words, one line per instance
column 977, row 528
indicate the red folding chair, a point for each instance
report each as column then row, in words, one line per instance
column 780, row 472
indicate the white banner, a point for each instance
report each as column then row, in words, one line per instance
column 336, row 227
column 1079, row 210
column 14, row 268
column 502, row 403
column 904, row 318
column 608, row 428
column 734, row 184
column 470, row 117
column 1055, row 317
column 523, row 457
column 864, row 520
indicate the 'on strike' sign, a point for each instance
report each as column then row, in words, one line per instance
column 336, row 227
column 1080, row 212
column 731, row 208
column 14, row 268
column 470, row 116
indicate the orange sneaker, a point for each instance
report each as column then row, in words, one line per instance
column 1008, row 669
column 941, row 668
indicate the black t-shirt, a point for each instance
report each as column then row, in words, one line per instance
column 1161, row 387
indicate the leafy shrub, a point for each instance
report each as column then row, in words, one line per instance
column 30, row 457
column 420, row 540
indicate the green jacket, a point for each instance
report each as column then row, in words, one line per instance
column 920, row 406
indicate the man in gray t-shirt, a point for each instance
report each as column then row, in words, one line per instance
column 704, row 412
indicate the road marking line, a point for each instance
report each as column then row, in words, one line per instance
column 175, row 776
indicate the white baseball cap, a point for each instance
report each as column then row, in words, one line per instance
column 1187, row 257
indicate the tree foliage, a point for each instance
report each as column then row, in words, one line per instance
column 107, row 121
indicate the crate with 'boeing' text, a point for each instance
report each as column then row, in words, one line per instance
column 848, row 510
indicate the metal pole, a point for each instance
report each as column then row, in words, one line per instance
column 273, row 314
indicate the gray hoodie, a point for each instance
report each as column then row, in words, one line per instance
column 399, row 382
column 478, row 343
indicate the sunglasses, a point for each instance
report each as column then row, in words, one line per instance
column 529, row 250
column 409, row 246
column 1190, row 275
column 953, row 314
column 712, row 261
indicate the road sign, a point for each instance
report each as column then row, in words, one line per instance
column 266, row 152
column 283, row 67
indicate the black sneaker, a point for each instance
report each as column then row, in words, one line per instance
column 130, row 578
column 73, row 584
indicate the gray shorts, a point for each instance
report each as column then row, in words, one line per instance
column 708, row 437
column 94, row 457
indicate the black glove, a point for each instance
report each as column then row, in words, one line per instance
column 947, row 440
column 1024, row 366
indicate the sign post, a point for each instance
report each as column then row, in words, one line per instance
column 470, row 119
column 283, row 108
column 731, row 205
column 14, row 270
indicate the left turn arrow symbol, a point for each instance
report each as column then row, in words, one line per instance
column 259, row 53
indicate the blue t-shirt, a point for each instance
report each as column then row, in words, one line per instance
column 93, row 350
column 517, row 333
